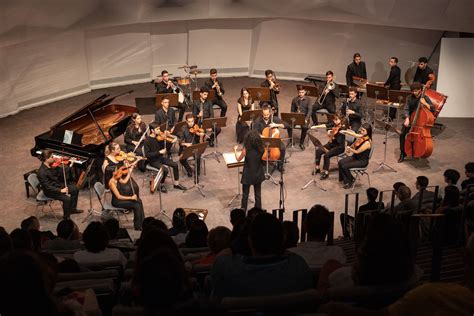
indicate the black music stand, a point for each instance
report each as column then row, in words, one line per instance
column 311, row 91
column 158, row 183
column 232, row 162
column 211, row 96
column 173, row 97
column 214, row 123
column 376, row 92
column 259, row 94
column 269, row 142
column 400, row 97
column 196, row 151
column 343, row 91
column 386, row 126
column 317, row 144
column 251, row 115
column 293, row 119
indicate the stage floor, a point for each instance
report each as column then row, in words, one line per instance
column 452, row 149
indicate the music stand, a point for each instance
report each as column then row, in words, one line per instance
column 376, row 92
column 259, row 94
column 343, row 90
column 211, row 96
column 270, row 143
column 173, row 97
column 251, row 115
column 311, row 91
column 178, row 127
column 196, row 151
column 293, row 119
column 157, row 182
column 232, row 162
column 400, row 97
column 317, row 144
column 214, row 123
column 386, row 126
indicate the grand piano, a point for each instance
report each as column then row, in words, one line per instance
column 85, row 133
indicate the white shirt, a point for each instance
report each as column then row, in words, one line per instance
column 317, row 253
column 85, row 257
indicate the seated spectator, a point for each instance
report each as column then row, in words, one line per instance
column 406, row 202
column 6, row 245
column 450, row 200
column 112, row 225
column 422, row 183
column 95, row 240
column 267, row 272
column 21, row 239
column 451, row 177
column 68, row 237
column 31, row 222
column 291, row 234
column 240, row 238
column 153, row 239
column 150, row 223
column 469, row 171
column 235, row 215
column 315, row 251
column 178, row 224
column 218, row 240
column 254, row 211
column 197, row 235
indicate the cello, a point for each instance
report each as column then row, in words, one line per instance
column 418, row 141
column 272, row 154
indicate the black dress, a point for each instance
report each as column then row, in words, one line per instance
column 253, row 168
column 241, row 128
column 125, row 189
column 110, row 169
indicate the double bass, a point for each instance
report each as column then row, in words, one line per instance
column 418, row 141
column 273, row 153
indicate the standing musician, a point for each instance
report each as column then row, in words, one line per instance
column 352, row 110
column 270, row 82
column 215, row 84
column 355, row 69
column 125, row 194
column 269, row 120
column 335, row 146
column 166, row 115
column 111, row 163
column 393, row 82
column 56, row 187
column 191, row 135
column 301, row 104
column 360, row 150
column 411, row 105
column 329, row 102
column 167, row 86
column 424, row 74
column 244, row 103
column 156, row 156
column 133, row 135
column 253, row 173
column 202, row 109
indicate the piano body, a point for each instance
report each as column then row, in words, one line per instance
column 92, row 127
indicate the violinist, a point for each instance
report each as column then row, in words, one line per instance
column 166, row 115
column 156, row 156
column 166, row 85
column 301, row 104
column 334, row 147
column 111, row 163
column 244, row 103
column 192, row 135
column 57, row 187
column 215, row 84
column 411, row 105
column 202, row 109
column 133, row 135
column 360, row 150
column 270, row 82
column 125, row 193
column 352, row 109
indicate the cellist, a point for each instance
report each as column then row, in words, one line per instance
column 269, row 120
column 411, row 105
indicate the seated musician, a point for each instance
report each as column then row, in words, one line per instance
column 353, row 110
column 215, row 84
column 329, row 96
column 125, row 194
column 269, row 120
column 55, row 187
column 355, row 69
column 424, row 74
column 156, row 156
column 393, row 82
column 133, row 135
column 334, row 147
column 270, row 82
column 167, row 86
column 165, row 115
column 111, row 163
column 202, row 109
column 360, row 150
column 191, row 135
column 301, row 104
column 244, row 103
column 411, row 105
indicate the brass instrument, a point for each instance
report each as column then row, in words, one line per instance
column 217, row 87
column 330, row 85
column 276, row 85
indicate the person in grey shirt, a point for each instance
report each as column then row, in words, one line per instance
column 68, row 237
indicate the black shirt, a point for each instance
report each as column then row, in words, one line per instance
column 162, row 87
column 299, row 105
column 354, row 70
column 188, row 137
column 331, row 96
column 152, row 149
column 421, row 76
column 354, row 106
column 208, row 111
column 209, row 83
column 253, row 168
column 49, row 181
column 161, row 117
column 412, row 103
column 260, row 123
column 371, row 206
column 134, row 134
column 273, row 93
column 393, row 81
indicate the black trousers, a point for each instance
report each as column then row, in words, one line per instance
column 241, row 130
column 304, row 131
column 333, row 151
column 181, row 110
column 218, row 131
column 347, row 163
column 69, row 200
column 257, row 189
column 157, row 163
column 136, row 206
column 330, row 107
column 403, row 135
column 222, row 105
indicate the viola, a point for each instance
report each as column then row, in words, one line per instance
column 273, row 153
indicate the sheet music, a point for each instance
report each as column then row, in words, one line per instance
column 231, row 161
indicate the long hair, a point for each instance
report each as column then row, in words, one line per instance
column 110, row 147
column 241, row 99
column 368, row 128
column 252, row 140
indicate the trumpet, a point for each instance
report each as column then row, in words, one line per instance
column 217, row 87
column 330, row 85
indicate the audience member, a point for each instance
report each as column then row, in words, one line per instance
column 150, row 223
column 6, row 244
column 21, row 239
column 451, row 177
column 153, row 239
column 315, row 251
column 291, row 234
column 178, row 224
column 68, row 237
column 254, row 211
column 29, row 223
column 235, row 215
column 190, row 219
column 267, row 272
column 406, row 202
column 218, row 240
column 240, row 238
column 469, row 171
column 197, row 235
column 112, row 225
column 450, row 199
column 422, row 183
column 95, row 240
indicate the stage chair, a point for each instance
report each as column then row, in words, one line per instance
column 41, row 199
column 359, row 172
column 99, row 189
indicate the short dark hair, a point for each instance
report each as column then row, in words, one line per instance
column 329, row 72
column 317, row 222
column 451, row 196
column 29, row 223
column 266, row 234
column 300, row 87
column 422, row 181
column 188, row 116
column 95, row 237
column 204, row 89
column 423, row 60
column 469, row 167
column 452, row 175
column 268, row 72
column 178, row 217
column 190, row 219
column 213, row 71
column 254, row 211
column 164, row 98
column 372, row 194
column 218, row 239
column 404, row 193
column 291, row 233
column 397, row 186
column 353, row 89
column 112, row 226
column 394, row 58
column 415, row 86
column 164, row 72
column 65, row 228
column 153, row 125
column 356, row 55
column 46, row 154
column 236, row 214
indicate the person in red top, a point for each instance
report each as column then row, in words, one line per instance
column 217, row 240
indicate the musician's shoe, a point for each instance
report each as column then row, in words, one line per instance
column 179, row 187
column 190, row 174
column 348, row 185
column 77, row 211
column 302, row 147
column 163, row 189
column 402, row 158
column 324, row 175
column 316, row 171
column 211, row 143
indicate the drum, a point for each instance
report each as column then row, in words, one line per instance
column 438, row 100
column 183, row 81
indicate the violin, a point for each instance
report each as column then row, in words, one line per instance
column 58, row 161
column 273, row 153
column 121, row 171
column 359, row 141
column 166, row 136
column 130, row 157
column 196, row 129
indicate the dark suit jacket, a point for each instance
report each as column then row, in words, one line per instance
column 161, row 117
column 354, row 70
